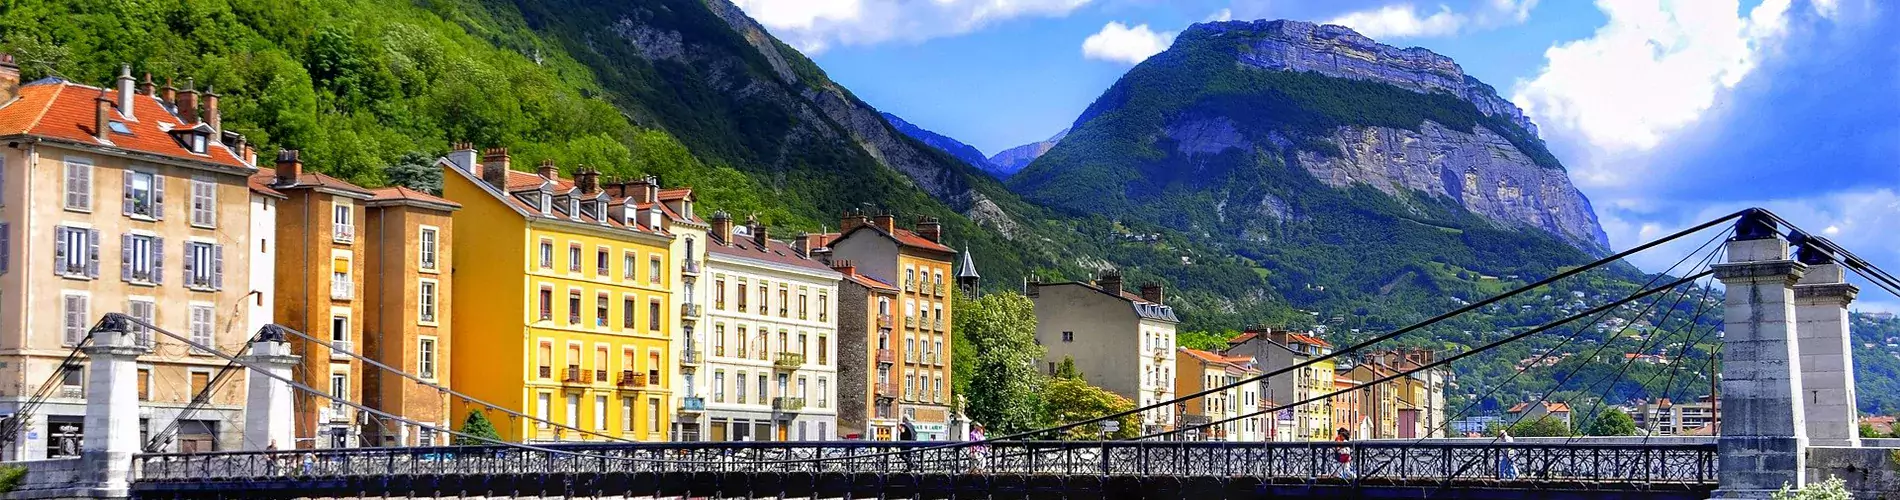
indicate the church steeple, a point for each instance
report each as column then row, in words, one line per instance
column 966, row 274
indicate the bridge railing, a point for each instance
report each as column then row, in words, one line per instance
column 1273, row 461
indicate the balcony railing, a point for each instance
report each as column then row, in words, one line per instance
column 339, row 412
column 887, row 389
column 910, row 322
column 789, row 361
column 630, row 379
column 689, row 266
column 72, row 392
column 690, row 310
column 788, row 404
column 937, row 288
column 937, row 325
column 692, row 403
column 342, row 289
column 574, row 374
column 910, row 284
column 690, row 356
column 883, row 321
column 546, row 372
column 343, row 233
column 886, row 356
column 600, row 374
column 341, row 349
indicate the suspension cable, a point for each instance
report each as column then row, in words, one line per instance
column 1701, row 308
column 10, row 429
column 198, row 401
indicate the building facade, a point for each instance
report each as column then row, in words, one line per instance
column 918, row 263
column 867, row 356
column 408, row 276
column 565, row 301
column 678, row 216
column 1420, row 392
column 774, row 338
column 1278, row 350
column 1223, row 411
column 1122, row 342
column 75, row 153
column 1669, row 418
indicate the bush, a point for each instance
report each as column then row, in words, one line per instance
column 1831, row 489
column 11, row 477
column 477, row 425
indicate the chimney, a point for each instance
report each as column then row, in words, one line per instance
column 102, row 116
column 646, row 190
column 170, row 94
column 495, row 168
column 188, row 104
column 722, row 227
column 211, row 111
column 148, row 88
column 851, row 220
column 125, row 91
column 547, row 170
column 805, row 243
column 250, row 154
column 844, row 267
column 9, row 78
column 757, row 230
column 588, row 180
column 289, row 167
column 1153, row 292
column 1111, row 282
column 930, row 229
column 886, row 222
column 463, row 156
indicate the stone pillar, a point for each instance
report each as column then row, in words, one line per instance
column 1827, row 366
column 1763, row 440
column 112, row 409
column 268, row 414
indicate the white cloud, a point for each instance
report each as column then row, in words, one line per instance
column 1654, row 68
column 815, row 25
column 1120, row 43
column 1405, row 20
column 1225, row 14
column 1859, row 219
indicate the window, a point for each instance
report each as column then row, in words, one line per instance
column 762, row 389
column 824, row 349
column 76, row 315
column 719, row 386
column 547, row 254
column 76, row 253
column 824, row 307
column 802, row 346
column 600, row 262
column 339, row 328
column 201, row 324
column 204, row 203
column 739, row 388
column 343, row 221
column 653, row 414
column 653, row 270
column 425, row 301
column 801, row 304
column 204, row 266
column 600, row 362
column 763, row 298
column 541, row 409
column 547, row 303
column 140, row 257
column 824, row 391
column 544, row 356
column 144, row 195
column 573, row 410
column 653, row 315
column 719, row 340
column 784, row 301
column 600, row 413
column 741, row 295
column 626, row 315
column 427, row 245
column 425, row 357
column 653, row 367
column 339, row 389
column 145, row 384
column 143, row 310
column 626, row 415
column 627, row 267
column 79, row 184
column 573, row 257
column 1068, row 336
column 600, row 310
column 573, row 307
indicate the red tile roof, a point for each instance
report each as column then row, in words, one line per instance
column 871, row 283
column 903, row 237
column 1307, row 339
column 1204, row 356
column 403, row 194
column 261, row 184
column 1548, row 407
column 1243, row 338
column 310, row 180
column 774, row 251
column 675, row 193
column 61, row 110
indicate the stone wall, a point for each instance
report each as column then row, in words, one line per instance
column 47, row 479
column 1870, row 473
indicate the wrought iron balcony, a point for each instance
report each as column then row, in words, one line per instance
column 789, row 361
column 937, row 288
column 886, row 356
column 692, row 404
column 883, row 321
column 546, row 371
column 689, row 266
column 788, row 404
column 574, row 374
column 937, row 324
column 690, row 310
column 630, row 379
column 910, row 322
column 886, row 390
column 910, row 284
column 690, row 356
column 600, row 374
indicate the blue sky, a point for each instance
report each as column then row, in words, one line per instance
column 1665, row 112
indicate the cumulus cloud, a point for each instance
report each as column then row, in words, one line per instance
column 1654, row 68
column 1225, row 14
column 816, row 25
column 1405, row 20
column 1119, row 43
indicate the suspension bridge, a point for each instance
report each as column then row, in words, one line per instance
column 1785, row 383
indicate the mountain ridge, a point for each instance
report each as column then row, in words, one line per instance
column 969, row 154
column 1014, row 159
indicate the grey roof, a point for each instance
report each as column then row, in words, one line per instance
column 967, row 269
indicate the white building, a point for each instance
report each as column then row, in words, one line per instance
column 773, row 365
column 1121, row 341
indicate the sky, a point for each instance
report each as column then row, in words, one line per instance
column 1665, row 113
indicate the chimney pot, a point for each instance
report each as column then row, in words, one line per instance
column 289, row 167
column 548, row 171
column 102, row 116
column 722, row 227
column 587, row 179
column 212, row 116
column 886, row 222
column 125, row 91
column 170, row 94
column 188, row 104
column 1153, row 293
column 851, row 220
column 147, row 88
column 495, row 168
column 646, row 190
column 844, row 267
column 1111, row 282
column 463, row 156
column 930, row 229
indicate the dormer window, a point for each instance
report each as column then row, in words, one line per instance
column 588, row 210
column 600, row 208
column 545, row 203
column 573, row 208
column 198, row 143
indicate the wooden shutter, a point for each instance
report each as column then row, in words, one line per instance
column 125, row 205
column 191, row 264
column 158, row 197
column 125, row 257
column 6, row 247
column 59, row 250
column 92, row 253
column 158, row 260
column 217, row 267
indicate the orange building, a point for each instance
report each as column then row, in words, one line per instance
column 407, row 306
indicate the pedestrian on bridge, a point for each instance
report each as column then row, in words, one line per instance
column 978, row 451
column 1507, row 467
column 1343, row 453
column 906, row 432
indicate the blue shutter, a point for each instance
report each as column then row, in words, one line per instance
column 59, row 250
column 6, row 243
column 158, row 197
column 125, row 197
column 158, row 260
column 125, row 257
column 217, row 267
column 191, row 265
column 92, row 253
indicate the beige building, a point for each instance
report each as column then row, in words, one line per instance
column 1121, row 341
column 1201, row 370
column 129, row 200
column 1277, row 350
column 1669, row 418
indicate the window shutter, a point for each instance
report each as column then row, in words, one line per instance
column 191, row 265
column 158, row 197
column 6, row 243
column 217, row 267
column 125, row 257
column 158, row 260
column 92, row 253
column 59, row 250
column 126, row 197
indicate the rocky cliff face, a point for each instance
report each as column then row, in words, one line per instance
column 1340, row 52
column 1012, row 160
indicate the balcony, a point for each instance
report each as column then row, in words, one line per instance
column 689, row 266
column 343, row 233
column 72, row 392
column 937, row 324
column 574, row 375
column 886, row 356
column 910, row 322
column 690, row 356
column 341, row 349
column 886, row 390
column 630, row 379
column 788, row 404
column 342, row 290
column 937, row 288
column 910, row 284
column 600, row 375
column 339, row 412
column 690, row 310
column 883, row 321
column 693, row 404
column 546, row 372
column 789, row 361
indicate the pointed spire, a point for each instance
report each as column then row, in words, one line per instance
column 967, row 268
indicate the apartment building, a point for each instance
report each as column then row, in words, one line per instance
column 867, row 356
column 1420, row 392
column 1349, row 405
column 1121, row 341
column 774, row 338
column 1276, row 350
column 407, row 302
column 1528, row 412
column 74, row 153
column 1668, row 418
column 1201, row 370
column 678, row 216
column 1378, row 402
column 565, row 302
column 917, row 262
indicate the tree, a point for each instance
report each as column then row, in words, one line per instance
column 1540, row 427
column 1612, row 422
column 1067, row 369
column 1831, row 489
column 1004, row 387
column 477, row 425
column 414, row 170
column 1072, row 400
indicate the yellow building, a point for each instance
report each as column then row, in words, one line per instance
column 563, row 302
column 1200, row 370
column 1275, row 350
